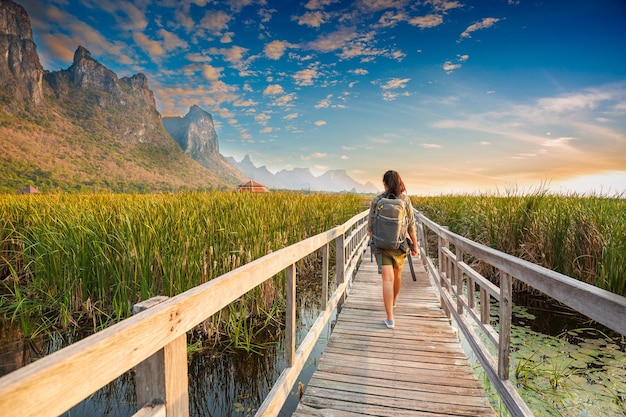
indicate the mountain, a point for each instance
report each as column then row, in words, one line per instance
column 195, row 134
column 21, row 72
column 83, row 128
column 302, row 178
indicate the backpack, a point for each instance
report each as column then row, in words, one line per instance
column 389, row 223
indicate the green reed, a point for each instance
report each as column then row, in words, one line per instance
column 580, row 236
column 70, row 259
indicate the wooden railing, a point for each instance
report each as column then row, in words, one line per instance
column 457, row 283
column 153, row 341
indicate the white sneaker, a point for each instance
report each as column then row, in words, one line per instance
column 389, row 324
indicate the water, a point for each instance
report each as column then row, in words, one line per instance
column 562, row 363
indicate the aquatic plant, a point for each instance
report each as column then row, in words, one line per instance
column 67, row 259
column 580, row 236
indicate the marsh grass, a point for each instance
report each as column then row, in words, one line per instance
column 580, row 236
column 68, row 260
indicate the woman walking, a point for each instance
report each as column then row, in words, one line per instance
column 391, row 260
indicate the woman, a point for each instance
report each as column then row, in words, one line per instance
column 392, row 260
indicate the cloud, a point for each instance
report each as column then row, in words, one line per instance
column 486, row 23
column 319, row 4
column 318, row 155
column 359, row 71
column 449, row 67
column 430, row 146
column 324, row 103
column 444, row 5
column 276, row 49
column 153, row 48
column 320, row 123
column 273, row 90
column 215, row 21
column 290, row 116
column 311, row 19
column 332, row 41
column 395, row 83
column 262, row 118
column 378, row 5
column 574, row 102
column 284, row 100
column 171, row 41
column 211, row 73
column 305, row 77
column 559, row 142
column 428, row 21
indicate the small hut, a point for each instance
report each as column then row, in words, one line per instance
column 252, row 187
column 29, row 190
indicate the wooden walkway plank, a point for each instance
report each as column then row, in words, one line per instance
column 416, row 369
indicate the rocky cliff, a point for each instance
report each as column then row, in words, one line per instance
column 20, row 69
column 128, row 102
column 196, row 135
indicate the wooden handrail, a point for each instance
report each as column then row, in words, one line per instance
column 57, row 382
column 456, row 281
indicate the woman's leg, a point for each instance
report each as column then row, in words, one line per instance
column 388, row 289
column 397, row 281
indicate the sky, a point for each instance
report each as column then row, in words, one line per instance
column 458, row 96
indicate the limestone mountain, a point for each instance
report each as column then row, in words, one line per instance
column 83, row 128
column 302, row 178
column 20, row 69
column 195, row 134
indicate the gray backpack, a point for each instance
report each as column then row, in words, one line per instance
column 389, row 223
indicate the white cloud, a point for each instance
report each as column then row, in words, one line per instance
column 276, row 49
column 273, row 90
column 320, row 123
column 428, row 21
column 486, row 23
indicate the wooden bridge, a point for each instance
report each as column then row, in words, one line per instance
column 416, row 376
column 416, row 369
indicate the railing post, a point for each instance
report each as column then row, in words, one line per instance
column 458, row 275
column 162, row 378
column 340, row 265
column 290, row 320
column 443, row 243
column 505, row 325
column 325, row 253
column 485, row 306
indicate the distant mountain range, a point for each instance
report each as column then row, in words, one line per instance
column 302, row 178
column 85, row 129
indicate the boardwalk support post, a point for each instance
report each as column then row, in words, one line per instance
column 504, row 345
column 162, row 378
column 290, row 320
column 340, row 265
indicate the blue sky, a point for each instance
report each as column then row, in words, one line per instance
column 458, row 96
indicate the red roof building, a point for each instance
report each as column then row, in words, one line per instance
column 252, row 187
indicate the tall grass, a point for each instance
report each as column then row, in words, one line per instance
column 580, row 236
column 67, row 259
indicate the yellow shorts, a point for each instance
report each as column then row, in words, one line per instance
column 394, row 257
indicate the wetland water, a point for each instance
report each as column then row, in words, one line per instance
column 562, row 365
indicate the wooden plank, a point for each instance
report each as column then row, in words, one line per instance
column 416, row 369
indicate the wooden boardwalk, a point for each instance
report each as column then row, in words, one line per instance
column 416, row 369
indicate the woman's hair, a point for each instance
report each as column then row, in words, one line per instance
column 394, row 183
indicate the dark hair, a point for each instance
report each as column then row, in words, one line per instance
column 394, row 183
